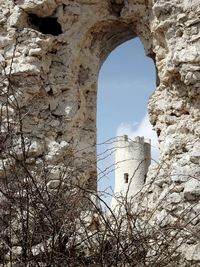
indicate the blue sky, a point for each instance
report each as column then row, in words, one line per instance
column 126, row 80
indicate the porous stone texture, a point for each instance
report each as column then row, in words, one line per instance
column 54, row 75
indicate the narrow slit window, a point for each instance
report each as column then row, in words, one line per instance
column 126, row 178
column 145, row 178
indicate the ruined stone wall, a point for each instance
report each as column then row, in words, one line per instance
column 54, row 70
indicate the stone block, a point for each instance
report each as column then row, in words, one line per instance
column 192, row 189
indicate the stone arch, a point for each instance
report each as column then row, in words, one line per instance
column 60, row 72
column 105, row 36
column 97, row 43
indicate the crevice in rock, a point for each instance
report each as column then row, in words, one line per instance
column 158, row 131
column 116, row 7
column 56, row 116
column 45, row 25
column 152, row 55
column 183, row 112
column 59, row 134
column 50, row 92
column 184, row 149
column 173, row 114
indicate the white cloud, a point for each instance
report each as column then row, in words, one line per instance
column 143, row 128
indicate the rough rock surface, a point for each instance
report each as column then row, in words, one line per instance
column 52, row 51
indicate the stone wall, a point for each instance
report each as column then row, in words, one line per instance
column 51, row 53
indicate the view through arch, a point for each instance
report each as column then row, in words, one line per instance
column 126, row 81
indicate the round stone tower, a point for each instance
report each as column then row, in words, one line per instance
column 132, row 160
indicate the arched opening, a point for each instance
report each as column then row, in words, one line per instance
column 99, row 44
column 126, row 81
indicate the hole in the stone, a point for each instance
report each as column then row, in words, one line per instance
column 158, row 131
column 50, row 92
column 179, row 33
column 185, row 150
column 56, row 116
column 46, row 25
column 124, row 89
column 174, row 115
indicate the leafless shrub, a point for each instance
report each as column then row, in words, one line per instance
column 62, row 224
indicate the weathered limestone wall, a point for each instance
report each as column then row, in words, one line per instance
column 54, row 76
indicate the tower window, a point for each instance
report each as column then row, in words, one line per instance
column 126, row 178
column 145, row 178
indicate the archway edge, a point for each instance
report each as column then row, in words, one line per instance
column 106, row 35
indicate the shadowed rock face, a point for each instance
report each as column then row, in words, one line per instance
column 56, row 53
column 46, row 25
